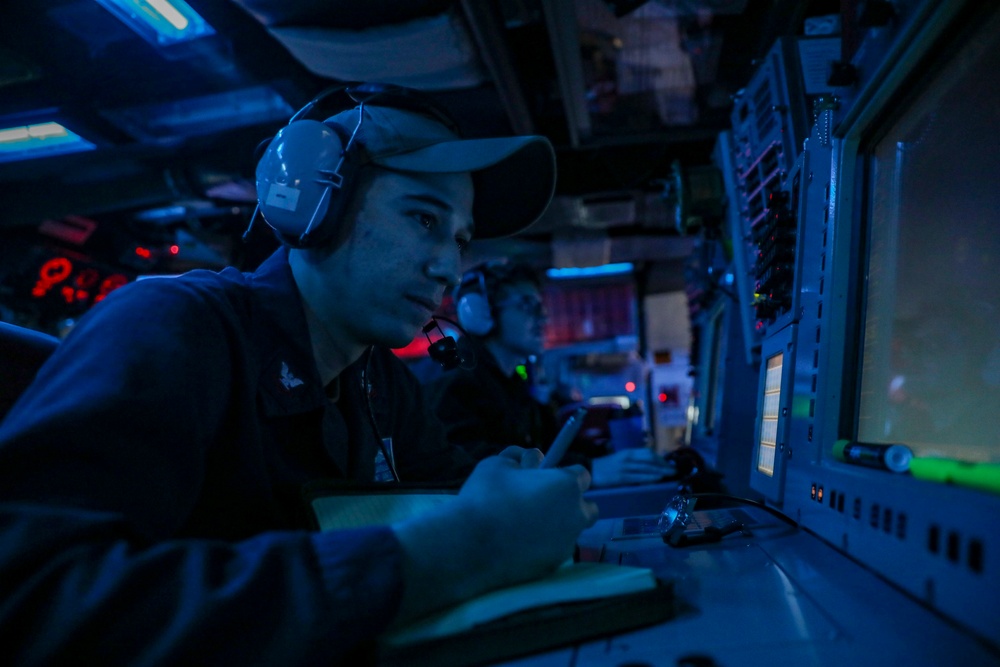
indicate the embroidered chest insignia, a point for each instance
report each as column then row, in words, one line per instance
column 288, row 381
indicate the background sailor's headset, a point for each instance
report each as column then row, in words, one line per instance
column 307, row 172
column 473, row 307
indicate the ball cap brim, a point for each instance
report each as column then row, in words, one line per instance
column 514, row 177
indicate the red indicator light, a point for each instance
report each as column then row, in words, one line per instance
column 56, row 270
column 53, row 271
column 662, row 397
column 110, row 284
column 174, row 249
column 87, row 278
column 143, row 252
column 630, row 386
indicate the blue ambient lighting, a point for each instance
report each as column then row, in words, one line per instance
column 203, row 115
column 162, row 22
column 39, row 140
column 166, row 214
column 590, row 271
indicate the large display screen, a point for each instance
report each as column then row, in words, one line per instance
column 930, row 371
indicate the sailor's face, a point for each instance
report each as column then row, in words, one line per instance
column 402, row 254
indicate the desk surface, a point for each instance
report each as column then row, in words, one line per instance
column 779, row 596
column 623, row 501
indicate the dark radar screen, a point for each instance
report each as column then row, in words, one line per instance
column 931, row 356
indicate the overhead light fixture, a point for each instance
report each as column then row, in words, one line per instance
column 590, row 271
column 39, row 140
column 202, row 115
column 160, row 22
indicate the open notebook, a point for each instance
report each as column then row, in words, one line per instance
column 578, row 602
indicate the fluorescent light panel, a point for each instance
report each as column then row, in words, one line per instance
column 590, row 271
column 161, row 22
column 39, row 140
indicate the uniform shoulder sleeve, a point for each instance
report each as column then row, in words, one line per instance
column 101, row 461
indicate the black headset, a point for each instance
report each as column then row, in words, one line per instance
column 308, row 170
column 446, row 350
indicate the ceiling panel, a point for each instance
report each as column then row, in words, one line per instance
column 626, row 91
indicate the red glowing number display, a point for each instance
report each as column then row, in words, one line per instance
column 52, row 272
column 110, row 284
column 78, row 290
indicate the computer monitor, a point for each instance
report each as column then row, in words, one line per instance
column 897, row 340
column 707, row 369
column 930, row 356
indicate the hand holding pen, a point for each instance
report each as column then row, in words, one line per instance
column 564, row 439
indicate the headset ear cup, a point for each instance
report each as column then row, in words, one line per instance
column 474, row 314
column 301, row 178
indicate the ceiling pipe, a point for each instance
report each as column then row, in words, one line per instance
column 485, row 27
column 564, row 34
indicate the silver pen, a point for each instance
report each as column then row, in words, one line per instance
column 563, row 440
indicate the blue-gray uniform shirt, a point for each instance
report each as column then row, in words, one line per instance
column 151, row 477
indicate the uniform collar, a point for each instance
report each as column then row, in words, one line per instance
column 289, row 381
